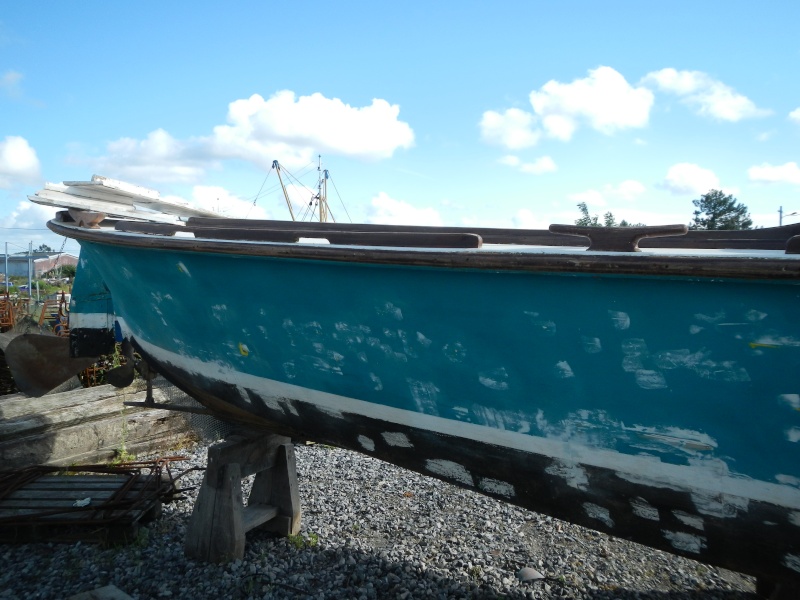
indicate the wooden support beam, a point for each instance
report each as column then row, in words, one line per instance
column 220, row 520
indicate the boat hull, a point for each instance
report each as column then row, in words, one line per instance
column 662, row 409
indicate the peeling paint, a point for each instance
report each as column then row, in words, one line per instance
column 591, row 345
column 792, row 561
column 787, row 479
column 562, row 370
column 455, row 352
column 793, row 400
column 290, row 370
column 289, row 405
column 273, row 404
column 450, row 470
column 397, row 439
column 243, row 394
column 182, row 268
column 684, row 439
column 650, row 380
column 377, row 383
column 598, row 512
column 686, row 542
column 425, row 396
column 794, row 518
column 391, row 310
column 719, row 505
column 642, row 508
column 366, row 443
column 620, row 320
column 793, row 434
column 547, row 328
column 692, row 521
column 494, row 486
column 495, row 379
column 573, row 474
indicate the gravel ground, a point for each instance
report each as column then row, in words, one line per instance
column 371, row 530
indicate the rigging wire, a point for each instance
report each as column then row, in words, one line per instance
column 349, row 218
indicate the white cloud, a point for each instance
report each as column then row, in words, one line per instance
column 590, row 197
column 604, row 100
column 688, row 178
column 293, row 130
column 18, row 162
column 220, row 200
column 795, row 115
column 28, row 215
column 510, row 160
column 284, row 128
column 786, row 173
column 628, row 190
column 525, row 219
column 512, row 129
column 708, row 96
column 396, row 212
column 158, row 158
column 541, row 165
column 10, row 84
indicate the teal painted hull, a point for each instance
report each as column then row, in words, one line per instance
column 665, row 409
column 685, row 369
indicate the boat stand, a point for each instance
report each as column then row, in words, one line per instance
column 220, row 520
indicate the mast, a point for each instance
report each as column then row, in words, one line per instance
column 322, row 191
column 277, row 167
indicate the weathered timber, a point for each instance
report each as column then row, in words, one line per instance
column 738, row 267
column 764, row 238
column 619, row 239
column 334, row 236
column 220, row 520
column 80, row 426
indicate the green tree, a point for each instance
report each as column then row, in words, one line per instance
column 716, row 210
column 44, row 248
column 587, row 220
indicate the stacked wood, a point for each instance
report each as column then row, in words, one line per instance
column 83, row 426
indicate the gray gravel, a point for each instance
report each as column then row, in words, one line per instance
column 371, row 530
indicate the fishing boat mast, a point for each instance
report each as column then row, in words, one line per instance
column 321, row 197
column 322, row 191
column 276, row 165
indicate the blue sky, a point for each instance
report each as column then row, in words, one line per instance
column 459, row 113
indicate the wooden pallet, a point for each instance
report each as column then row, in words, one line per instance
column 54, row 508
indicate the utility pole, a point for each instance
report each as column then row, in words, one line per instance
column 30, row 270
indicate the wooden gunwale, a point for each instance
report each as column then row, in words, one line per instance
column 351, row 238
column 733, row 267
column 768, row 238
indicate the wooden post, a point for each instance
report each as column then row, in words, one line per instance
column 219, row 521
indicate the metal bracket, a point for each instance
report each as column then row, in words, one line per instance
column 189, row 409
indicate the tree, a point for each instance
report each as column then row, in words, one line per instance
column 715, row 210
column 44, row 248
column 586, row 220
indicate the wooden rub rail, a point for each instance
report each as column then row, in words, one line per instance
column 350, row 238
column 617, row 239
